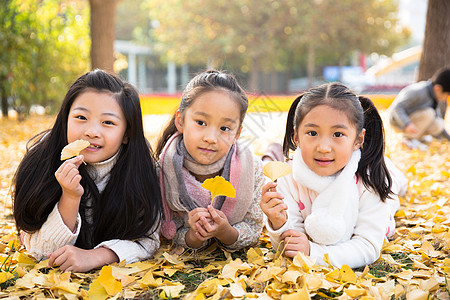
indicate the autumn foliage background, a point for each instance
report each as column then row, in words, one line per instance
column 415, row 264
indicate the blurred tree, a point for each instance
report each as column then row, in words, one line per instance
column 272, row 35
column 102, row 33
column 436, row 45
column 132, row 21
column 45, row 46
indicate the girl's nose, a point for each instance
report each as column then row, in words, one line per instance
column 92, row 132
column 324, row 146
column 210, row 136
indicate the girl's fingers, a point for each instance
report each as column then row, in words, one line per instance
column 200, row 237
column 274, row 202
column 207, row 225
column 214, row 214
column 290, row 253
column 53, row 256
column 268, row 186
column 271, row 195
column 200, row 229
column 289, row 233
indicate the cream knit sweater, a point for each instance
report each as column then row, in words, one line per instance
column 54, row 234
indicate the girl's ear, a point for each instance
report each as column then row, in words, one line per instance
column 125, row 138
column 359, row 141
column 238, row 134
column 179, row 121
column 296, row 140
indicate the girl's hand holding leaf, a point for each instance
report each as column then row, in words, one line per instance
column 69, row 177
column 273, row 206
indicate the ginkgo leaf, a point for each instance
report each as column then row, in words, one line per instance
column 218, row 186
column 109, row 283
column 276, row 169
column 347, row 274
column 5, row 276
column 73, row 149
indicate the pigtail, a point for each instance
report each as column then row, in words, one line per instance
column 170, row 130
column 372, row 168
column 288, row 142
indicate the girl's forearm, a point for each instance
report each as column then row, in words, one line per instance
column 229, row 236
column 192, row 241
column 103, row 256
column 68, row 208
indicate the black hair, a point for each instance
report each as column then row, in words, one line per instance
column 442, row 77
column 207, row 81
column 363, row 114
column 130, row 206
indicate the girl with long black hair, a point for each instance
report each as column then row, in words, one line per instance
column 107, row 209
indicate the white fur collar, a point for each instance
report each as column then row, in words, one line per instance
column 334, row 211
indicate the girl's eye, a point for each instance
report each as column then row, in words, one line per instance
column 201, row 123
column 338, row 134
column 312, row 133
column 225, row 128
column 108, row 122
column 80, row 117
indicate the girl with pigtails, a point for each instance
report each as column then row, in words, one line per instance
column 342, row 194
column 201, row 142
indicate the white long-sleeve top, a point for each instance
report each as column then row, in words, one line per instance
column 361, row 249
column 54, row 234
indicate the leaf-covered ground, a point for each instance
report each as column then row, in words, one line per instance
column 415, row 264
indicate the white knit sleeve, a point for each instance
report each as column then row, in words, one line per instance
column 133, row 251
column 53, row 235
column 365, row 245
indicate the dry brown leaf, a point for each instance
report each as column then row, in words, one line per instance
column 276, row 169
column 73, row 149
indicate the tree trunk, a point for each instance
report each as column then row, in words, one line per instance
column 254, row 76
column 310, row 64
column 4, row 101
column 436, row 44
column 102, row 33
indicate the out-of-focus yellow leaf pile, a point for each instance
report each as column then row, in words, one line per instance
column 415, row 264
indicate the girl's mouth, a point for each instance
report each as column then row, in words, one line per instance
column 207, row 150
column 93, row 147
column 323, row 162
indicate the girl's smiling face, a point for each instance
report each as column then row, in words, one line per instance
column 210, row 126
column 97, row 118
column 327, row 140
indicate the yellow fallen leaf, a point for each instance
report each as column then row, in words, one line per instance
column 171, row 291
column 255, row 256
column 301, row 294
column 70, row 287
column 25, row 259
column 347, row 274
column 109, row 283
column 313, row 281
column 149, row 280
column 5, row 276
column 354, row 292
column 218, row 186
column 73, row 149
column 276, row 169
column 291, row 277
column 170, row 272
column 97, row 291
column 417, row 294
column 208, row 287
column 236, row 290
